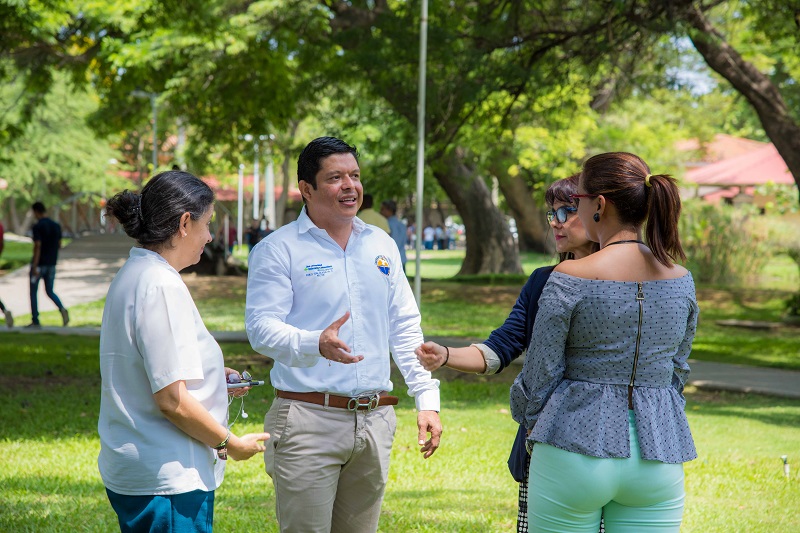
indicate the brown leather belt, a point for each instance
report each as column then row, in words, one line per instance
column 354, row 403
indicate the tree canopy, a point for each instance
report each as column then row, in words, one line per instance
column 519, row 92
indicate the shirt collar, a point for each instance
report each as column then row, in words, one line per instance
column 151, row 255
column 306, row 224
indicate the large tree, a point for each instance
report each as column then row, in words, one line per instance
column 762, row 90
column 484, row 59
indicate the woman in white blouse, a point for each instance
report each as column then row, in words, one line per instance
column 163, row 409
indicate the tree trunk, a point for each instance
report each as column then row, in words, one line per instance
column 490, row 246
column 532, row 227
column 288, row 152
column 759, row 90
column 15, row 224
column 280, row 205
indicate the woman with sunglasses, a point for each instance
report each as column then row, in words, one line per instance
column 601, row 389
column 510, row 340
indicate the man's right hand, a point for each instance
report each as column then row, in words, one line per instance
column 332, row 348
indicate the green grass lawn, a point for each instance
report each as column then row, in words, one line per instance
column 473, row 308
column 50, row 403
column 15, row 255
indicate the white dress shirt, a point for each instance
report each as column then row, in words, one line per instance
column 300, row 281
column 152, row 336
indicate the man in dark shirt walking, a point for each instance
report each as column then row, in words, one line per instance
column 46, row 243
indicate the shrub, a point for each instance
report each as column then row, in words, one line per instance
column 787, row 240
column 724, row 244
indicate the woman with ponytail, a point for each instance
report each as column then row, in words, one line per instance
column 512, row 338
column 163, row 407
column 601, row 389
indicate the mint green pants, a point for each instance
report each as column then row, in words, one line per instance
column 570, row 492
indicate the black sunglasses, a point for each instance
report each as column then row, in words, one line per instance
column 561, row 214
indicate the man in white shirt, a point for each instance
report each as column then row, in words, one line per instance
column 328, row 286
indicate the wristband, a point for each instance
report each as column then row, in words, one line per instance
column 447, row 357
column 224, row 443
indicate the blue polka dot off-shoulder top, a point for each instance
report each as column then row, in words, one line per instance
column 588, row 346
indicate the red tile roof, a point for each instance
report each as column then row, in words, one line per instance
column 224, row 193
column 756, row 167
column 722, row 147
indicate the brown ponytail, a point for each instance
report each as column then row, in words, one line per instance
column 663, row 212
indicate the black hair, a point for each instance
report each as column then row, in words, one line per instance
column 309, row 162
column 153, row 216
column 391, row 205
column 38, row 207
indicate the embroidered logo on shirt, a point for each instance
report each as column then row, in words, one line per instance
column 318, row 270
column 383, row 264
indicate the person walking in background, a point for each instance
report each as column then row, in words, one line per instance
column 6, row 313
column 370, row 216
column 46, row 244
column 511, row 339
column 441, row 237
column 328, row 302
column 601, row 389
column 452, row 237
column 428, row 235
column 397, row 230
column 254, row 234
column 163, row 418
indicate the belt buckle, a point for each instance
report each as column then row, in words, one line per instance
column 372, row 401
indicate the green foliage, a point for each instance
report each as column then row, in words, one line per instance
column 723, row 244
column 56, row 153
column 793, row 305
column 781, row 198
column 786, row 239
column 649, row 126
column 765, row 33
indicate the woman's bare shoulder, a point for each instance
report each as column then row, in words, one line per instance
column 620, row 267
column 579, row 268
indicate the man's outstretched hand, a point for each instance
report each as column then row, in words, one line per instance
column 332, row 348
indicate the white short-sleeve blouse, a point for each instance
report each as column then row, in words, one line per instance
column 151, row 336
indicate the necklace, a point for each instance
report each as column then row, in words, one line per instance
column 625, row 242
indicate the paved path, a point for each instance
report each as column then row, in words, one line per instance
column 84, row 271
column 87, row 266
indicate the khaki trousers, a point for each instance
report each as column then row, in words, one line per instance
column 329, row 466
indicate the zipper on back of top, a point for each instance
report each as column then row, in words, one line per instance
column 640, row 299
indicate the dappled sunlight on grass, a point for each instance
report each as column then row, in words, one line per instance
column 49, row 415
